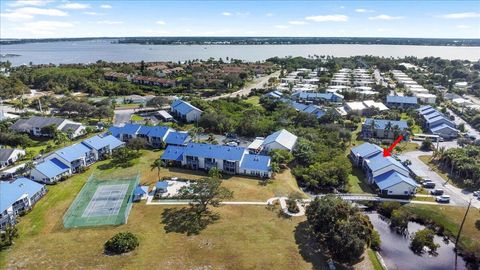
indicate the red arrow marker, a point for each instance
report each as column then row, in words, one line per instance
column 387, row 152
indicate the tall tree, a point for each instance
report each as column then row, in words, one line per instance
column 206, row 192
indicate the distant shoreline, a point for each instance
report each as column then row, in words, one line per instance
column 261, row 41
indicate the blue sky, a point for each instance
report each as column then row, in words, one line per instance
column 49, row 18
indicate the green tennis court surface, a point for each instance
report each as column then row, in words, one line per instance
column 101, row 202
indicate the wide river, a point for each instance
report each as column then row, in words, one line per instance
column 90, row 51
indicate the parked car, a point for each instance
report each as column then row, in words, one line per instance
column 428, row 185
column 476, row 193
column 425, row 181
column 443, row 199
column 437, row 192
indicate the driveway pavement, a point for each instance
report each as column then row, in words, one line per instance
column 458, row 195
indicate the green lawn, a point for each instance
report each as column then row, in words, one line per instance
column 136, row 118
column 357, row 182
column 236, row 241
column 254, row 100
column 374, row 259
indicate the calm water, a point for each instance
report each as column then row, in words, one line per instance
column 91, row 51
column 396, row 252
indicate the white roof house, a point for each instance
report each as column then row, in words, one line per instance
column 281, row 139
column 372, row 104
column 356, row 106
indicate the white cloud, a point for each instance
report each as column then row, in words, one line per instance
column 28, row 13
column 22, row 3
column 93, row 13
column 463, row 15
column 74, row 6
column 109, row 22
column 226, row 13
column 161, row 22
column 298, row 22
column 463, row 26
column 328, row 18
column 156, row 32
column 41, row 11
column 14, row 17
column 385, row 17
column 279, row 26
column 242, row 13
column 269, row 14
column 42, row 28
column 362, row 10
column 105, row 6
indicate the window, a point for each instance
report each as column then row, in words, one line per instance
column 389, row 191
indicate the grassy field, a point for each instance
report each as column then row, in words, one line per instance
column 136, row 118
column 374, row 259
column 451, row 217
column 357, row 182
column 254, row 100
column 245, row 237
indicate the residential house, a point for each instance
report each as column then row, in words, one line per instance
column 386, row 173
column 437, row 123
column 16, row 197
column 281, row 139
column 103, row 146
column 364, row 151
column 74, row 156
column 10, row 156
column 185, row 111
column 228, row 159
column 50, row 171
column 318, row 97
column 403, row 102
column 256, row 165
column 384, row 129
column 36, row 126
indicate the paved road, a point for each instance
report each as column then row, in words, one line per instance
column 470, row 130
column 257, row 83
column 122, row 116
column 458, row 196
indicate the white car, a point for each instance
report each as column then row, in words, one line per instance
column 443, row 199
column 476, row 193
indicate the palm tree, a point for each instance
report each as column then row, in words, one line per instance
column 157, row 165
column 194, row 132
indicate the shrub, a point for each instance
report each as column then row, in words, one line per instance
column 477, row 224
column 375, row 241
column 121, row 243
column 386, row 208
column 399, row 219
column 423, row 238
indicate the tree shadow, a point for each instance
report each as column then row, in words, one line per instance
column 310, row 250
column 186, row 220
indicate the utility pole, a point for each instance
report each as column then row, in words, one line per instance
column 460, row 231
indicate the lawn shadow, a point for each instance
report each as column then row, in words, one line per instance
column 308, row 248
column 362, row 181
column 186, row 220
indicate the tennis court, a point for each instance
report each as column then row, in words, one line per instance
column 101, row 202
column 106, row 201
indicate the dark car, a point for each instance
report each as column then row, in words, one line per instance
column 428, row 185
column 437, row 192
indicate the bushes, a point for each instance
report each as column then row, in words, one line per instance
column 421, row 239
column 386, row 208
column 121, row 243
column 399, row 219
column 477, row 224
